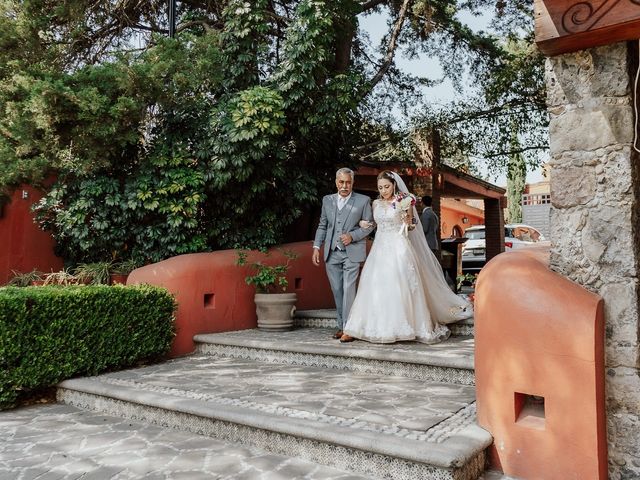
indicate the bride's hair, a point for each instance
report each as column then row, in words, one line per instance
column 388, row 175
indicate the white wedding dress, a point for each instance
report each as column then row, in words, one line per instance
column 402, row 293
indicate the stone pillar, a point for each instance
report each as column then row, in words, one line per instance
column 594, row 218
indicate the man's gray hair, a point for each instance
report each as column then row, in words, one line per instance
column 346, row 171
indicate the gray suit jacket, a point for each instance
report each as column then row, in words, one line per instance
column 358, row 208
column 430, row 223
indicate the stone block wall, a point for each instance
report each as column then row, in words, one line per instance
column 595, row 218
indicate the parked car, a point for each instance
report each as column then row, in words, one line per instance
column 516, row 236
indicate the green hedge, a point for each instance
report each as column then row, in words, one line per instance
column 48, row 334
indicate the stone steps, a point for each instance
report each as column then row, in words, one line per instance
column 327, row 319
column 450, row 361
column 377, row 425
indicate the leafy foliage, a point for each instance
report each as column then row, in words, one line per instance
column 19, row 279
column 516, row 179
column 507, row 74
column 48, row 334
column 222, row 137
column 267, row 278
column 97, row 273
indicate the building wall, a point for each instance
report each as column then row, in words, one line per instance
column 452, row 213
column 23, row 246
column 536, row 205
column 594, row 218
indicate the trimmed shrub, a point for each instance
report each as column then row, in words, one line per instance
column 48, row 334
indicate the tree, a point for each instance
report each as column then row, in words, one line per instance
column 516, row 178
column 223, row 136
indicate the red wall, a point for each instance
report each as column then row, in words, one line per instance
column 23, row 246
column 538, row 333
column 212, row 295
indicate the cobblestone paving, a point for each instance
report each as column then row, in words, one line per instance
column 398, row 406
column 61, row 442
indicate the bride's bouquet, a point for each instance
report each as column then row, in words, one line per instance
column 405, row 201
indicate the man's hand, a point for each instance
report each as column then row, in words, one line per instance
column 346, row 239
column 315, row 258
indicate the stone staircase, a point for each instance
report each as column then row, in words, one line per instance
column 402, row 411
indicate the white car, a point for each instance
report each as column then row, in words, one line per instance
column 516, row 235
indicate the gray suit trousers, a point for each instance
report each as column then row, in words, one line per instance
column 343, row 276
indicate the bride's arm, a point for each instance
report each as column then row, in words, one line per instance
column 408, row 219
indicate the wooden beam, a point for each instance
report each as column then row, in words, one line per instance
column 564, row 26
column 466, row 189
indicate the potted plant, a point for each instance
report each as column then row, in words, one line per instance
column 121, row 271
column 33, row 277
column 63, row 277
column 96, row 273
column 274, row 307
column 467, row 280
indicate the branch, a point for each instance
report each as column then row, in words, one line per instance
column 505, row 109
column 518, row 150
column 203, row 23
column 368, row 5
column 388, row 59
column 363, row 52
column 148, row 28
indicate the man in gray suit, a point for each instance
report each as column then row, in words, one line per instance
column 430, row 223
column 344, row 241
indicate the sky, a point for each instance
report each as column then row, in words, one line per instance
column 376, row 26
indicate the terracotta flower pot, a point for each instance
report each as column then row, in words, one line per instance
column 275, row 310
column 119, row 279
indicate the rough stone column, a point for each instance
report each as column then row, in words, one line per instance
column 594, row 218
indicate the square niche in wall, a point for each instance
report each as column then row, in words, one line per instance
column 529, row 411
column 209, row 300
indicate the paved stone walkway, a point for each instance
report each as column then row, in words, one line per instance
column 398, row 406
column 54, row 442
column 62, row 442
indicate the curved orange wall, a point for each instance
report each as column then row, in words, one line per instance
column 538, row 333
column 23, row 246
column 212, row 295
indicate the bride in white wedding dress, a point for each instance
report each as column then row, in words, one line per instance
column 402, row 293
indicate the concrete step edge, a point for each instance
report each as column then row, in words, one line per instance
column 327, row 319
column 331, row 314
column 373, row 367
column 454, row 452
column 434, row 359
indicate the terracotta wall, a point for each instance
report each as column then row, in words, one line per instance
column 212, row 295
column 451, row 218
column 23, row 246
column 539, row 366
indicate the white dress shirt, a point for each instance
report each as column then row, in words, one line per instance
column 342, row 201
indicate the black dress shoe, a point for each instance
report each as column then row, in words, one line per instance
column 338, row 334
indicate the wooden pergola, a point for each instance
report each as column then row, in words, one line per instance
column 443, row 181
